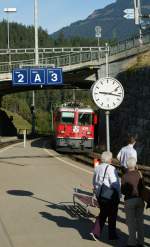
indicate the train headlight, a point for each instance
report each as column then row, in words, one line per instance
column 62, row 131
column 89, row 132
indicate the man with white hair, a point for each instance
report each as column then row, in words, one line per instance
column 131, row 187
column 106, row 174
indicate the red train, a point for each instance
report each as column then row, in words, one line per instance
column 74, row 127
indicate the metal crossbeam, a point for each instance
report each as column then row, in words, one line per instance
column 71, row 57
column 52, row 50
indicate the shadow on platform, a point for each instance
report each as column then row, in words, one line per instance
column 79, row 220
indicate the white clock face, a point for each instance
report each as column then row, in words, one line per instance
column 108, row 93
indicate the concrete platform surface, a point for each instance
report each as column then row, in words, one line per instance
column 36, row 207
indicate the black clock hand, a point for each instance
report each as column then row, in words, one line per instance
column 110, row 93
column 115, row 89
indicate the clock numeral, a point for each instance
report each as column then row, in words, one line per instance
column 114, row 104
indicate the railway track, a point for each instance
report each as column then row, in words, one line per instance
column 8, row 143
column 88, row 159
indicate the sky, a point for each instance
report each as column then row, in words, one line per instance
column 52, row 15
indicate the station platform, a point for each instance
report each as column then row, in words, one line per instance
column 36, row 201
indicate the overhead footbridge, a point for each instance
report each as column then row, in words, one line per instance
column 81, row 66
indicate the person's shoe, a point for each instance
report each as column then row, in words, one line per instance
column 94, row 236
column 130, row 245
column 113, row 237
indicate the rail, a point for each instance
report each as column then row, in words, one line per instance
column 6, row 143
column 89, row 160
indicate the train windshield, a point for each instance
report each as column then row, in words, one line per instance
column 85, row 118
column 67, row 117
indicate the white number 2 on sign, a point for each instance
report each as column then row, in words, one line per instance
column 20, row 78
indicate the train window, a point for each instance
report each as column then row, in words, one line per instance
column 67, row 117
column 85, row 118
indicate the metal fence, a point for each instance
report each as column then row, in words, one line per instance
column 64, row 56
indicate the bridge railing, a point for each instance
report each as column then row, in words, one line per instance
column 129, row 44
column 68, row 55
column 58, row 61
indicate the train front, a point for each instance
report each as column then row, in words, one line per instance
column 74, row 129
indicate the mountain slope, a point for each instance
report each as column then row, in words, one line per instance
column 110, row 18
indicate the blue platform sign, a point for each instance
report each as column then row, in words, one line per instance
column 37, row 76
column 54, row 76
column 20, row 77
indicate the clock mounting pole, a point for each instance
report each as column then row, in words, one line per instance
column 107, row 113
column 107, row 130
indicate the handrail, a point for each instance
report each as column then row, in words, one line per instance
column 64, row 56
column 51, row 50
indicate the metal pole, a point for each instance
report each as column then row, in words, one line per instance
column 98, row 41
column 73, row 95
column 107, row 113
column 36, row 59
column 36, row 31
column 140, row 35
column 8, row 40
column 106, row 56
column 8, row 33
column 52, row 127
column 140, row 29
column 24, row 138
column 8, row 11
column 98, row 49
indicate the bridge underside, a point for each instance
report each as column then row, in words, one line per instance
column 81, row 78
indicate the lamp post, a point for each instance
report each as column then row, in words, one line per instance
column 9, row 11
column 36, row 60
column 36, row 31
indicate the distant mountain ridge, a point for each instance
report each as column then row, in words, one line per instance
column 110, row 18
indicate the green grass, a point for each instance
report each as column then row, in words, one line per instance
column 18, row 121
column 143, row 60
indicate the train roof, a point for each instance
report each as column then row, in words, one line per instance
column 74, row 106
column 72, row 109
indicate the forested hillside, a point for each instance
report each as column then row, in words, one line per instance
column 22, row 36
